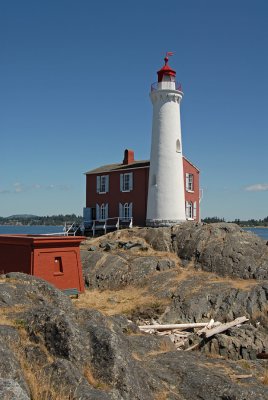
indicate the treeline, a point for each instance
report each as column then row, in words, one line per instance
column 45, row 220
column 249, row 222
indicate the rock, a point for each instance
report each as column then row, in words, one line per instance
column 222, row 248
column 112, row 271
column 67, row 379
column 10, row 368
column 244, row 342
column 218, row 300
column 11, row 390
column 92, row 248
column 192, row 374
column 86, row 355
column 158, row 238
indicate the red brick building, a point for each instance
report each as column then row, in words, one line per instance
column 120, row 191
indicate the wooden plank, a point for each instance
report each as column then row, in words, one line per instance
column 241, row 376
column 210, row 325
column 223, row 327
column 173, row 326
column 193, row 347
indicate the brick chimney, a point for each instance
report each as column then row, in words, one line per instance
column 128, row 157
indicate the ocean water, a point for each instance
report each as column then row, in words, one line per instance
column 262, row 232
column 43, row 229
column 29, row 230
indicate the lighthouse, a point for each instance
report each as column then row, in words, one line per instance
column 166, row 198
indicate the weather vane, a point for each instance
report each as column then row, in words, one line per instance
column 168, row 54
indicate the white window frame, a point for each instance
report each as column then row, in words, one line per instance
column 101, row 212
column 189, row 210
column 126, row 182
column 125, row 211
column 190, row 182
column 102, row 184
column 195, row 210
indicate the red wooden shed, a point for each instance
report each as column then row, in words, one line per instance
column 53, row 258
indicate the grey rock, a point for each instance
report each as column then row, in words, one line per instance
column 193, row 380
column 92, row 248
column 11, row 390
column 10, row 367
column 69, row 381
column 222, row 248
column 244, row 342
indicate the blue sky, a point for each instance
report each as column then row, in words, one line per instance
column 74, row 83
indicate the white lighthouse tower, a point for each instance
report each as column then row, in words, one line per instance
column 166, row 199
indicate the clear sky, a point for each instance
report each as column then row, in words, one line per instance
column 74, row 83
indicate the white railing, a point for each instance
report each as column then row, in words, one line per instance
column 105, row 224
column 70, row 230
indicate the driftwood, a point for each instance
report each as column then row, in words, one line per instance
column 224, row 327
column 180, row 338
column 210, row 325
column 193, row 347
column 241, row 376
column 263, row 356
column 173, row 326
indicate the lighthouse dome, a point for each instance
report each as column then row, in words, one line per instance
column 166, row 72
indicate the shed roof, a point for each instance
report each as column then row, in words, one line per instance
column 121, row 166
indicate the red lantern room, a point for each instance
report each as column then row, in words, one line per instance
column 166, row 73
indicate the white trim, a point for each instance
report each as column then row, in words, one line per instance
column 120, row 210
column 97, row 211
column 189, row 182
column 126, row 180
column 102, row 183
column 98, row 184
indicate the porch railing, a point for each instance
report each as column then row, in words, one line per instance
column 107, row 223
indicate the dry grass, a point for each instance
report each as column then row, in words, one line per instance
column 41, row 388
column 111, row 302
column 162, row 395
column 136, row 356
column 40, row 385
column 242, row 284
column 264, row 379
column 96, row 383
column 5, row 315
column 164, row 347
column 261, row 315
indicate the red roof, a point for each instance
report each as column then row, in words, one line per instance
column 165, row 70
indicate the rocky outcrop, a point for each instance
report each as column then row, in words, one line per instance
column 103, row 270
column 186, row 269
column 222, row 248
column 52, row 349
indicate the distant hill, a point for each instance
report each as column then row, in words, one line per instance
column 22, row 216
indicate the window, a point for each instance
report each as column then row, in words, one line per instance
column 101, row 211
column 178, row 146
column 126, row 182
column 125, row 210
column 103, row 184
column 190, row 210
column 58, row 268
column 189, row 182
